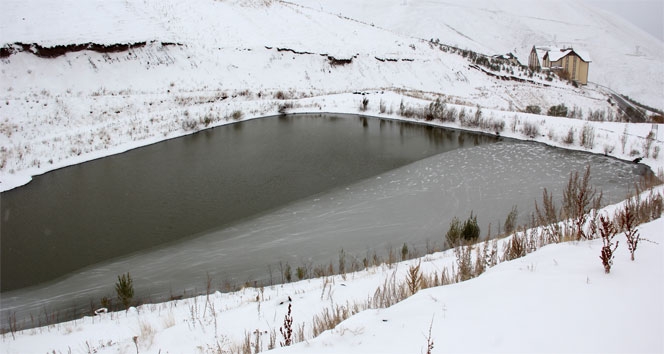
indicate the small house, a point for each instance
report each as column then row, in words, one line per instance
column 568, row 62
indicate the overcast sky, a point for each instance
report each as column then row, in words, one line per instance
column 646, row 14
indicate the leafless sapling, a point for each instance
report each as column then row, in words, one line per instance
column 607, row 231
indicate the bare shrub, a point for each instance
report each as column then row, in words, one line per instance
column 569, row 139
column 429, row 339
column 287, row 329
column 287, row 273
column 547, row 217
column 514, row 248
column 388, row 294
column 237, row 115
column 342, row 261
column 284, row 107
column 462, row 115
column 627, row 220
column 364, row 104
column 330, row 318
column 587, row 137
column 436, row 110
column 607, row 232
column 406, row 111
column 473, row 121
column 596, row 116
column 451, row 115
column 464, row 262
column 301, row 272
column 414, row 279
column 578, row 199
column 492, row 125
column 530, row 129
column 648, row 143
column 608, row 149
column 189, row 124
column 510, row 221
column 480, row 256
column 381, row 107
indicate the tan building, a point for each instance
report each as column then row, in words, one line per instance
column 571, row 63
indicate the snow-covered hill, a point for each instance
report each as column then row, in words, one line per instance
column 624, row 57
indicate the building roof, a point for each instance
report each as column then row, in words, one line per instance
column 557, row 54
column 541, row 51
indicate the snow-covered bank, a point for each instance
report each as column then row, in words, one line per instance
column 556, row 300
column 39, row 147
column 559, row 291
column 255, row 56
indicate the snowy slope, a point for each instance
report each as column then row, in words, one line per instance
column 228, row 55
column 557, row 300
column 624, row 57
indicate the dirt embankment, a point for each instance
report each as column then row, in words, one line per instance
column 58, row 50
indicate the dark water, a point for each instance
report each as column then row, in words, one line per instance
column 234, row 201
column 70, row 218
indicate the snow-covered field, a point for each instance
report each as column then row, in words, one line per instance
column 206, row 63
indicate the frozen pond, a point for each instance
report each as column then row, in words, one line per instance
column 234, row 202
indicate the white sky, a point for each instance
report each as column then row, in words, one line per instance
column 646, row 14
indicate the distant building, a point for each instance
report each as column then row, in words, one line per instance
column 570, row 63
column 509, row 58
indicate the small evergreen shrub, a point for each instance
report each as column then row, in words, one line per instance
column 534, row 109
column 404, row 252
column 470, row 231
column 237, row 115
column 124, row 289
column 558, row 111
column 453, row 235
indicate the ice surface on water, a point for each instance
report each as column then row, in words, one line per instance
column 411, row 204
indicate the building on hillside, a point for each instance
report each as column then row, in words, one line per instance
column 569, row 63
column 509, row 58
